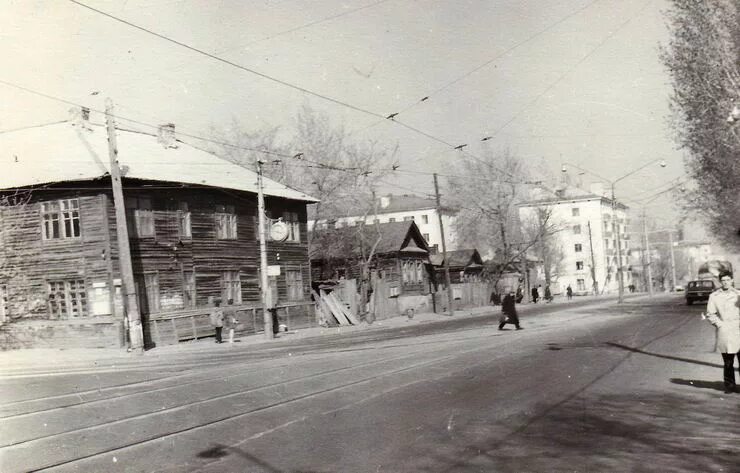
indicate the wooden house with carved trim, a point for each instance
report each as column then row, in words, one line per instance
column 465, row 266
column 401, row 255
column 192, row 220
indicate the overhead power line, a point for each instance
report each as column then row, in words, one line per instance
column 497, row 57
column 230, row 63
column 271, row 78
column 139, row 122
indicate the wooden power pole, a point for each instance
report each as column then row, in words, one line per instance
column 450, row 297
column 264, row 279
column 131, row 305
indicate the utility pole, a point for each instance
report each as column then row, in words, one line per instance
column 620, row 278
column 450, row 297
column 673, row 260
column 594, row 284
column 131, row 305
column 264, row 279
column 647, row 253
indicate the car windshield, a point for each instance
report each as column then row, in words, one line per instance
column 701, row 284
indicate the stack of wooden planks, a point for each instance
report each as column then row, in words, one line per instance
column 333, row 309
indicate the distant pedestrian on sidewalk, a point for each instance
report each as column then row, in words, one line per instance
column 723, row 311
column 535, row 295
column 519, row 295
column 569, row 292
column 548, row 294
column 217, row 320
column 508, row 311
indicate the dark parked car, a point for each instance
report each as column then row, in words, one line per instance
column 699, row 290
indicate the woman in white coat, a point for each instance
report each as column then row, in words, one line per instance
column 723, row 311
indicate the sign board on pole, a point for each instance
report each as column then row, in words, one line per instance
column 273, row 270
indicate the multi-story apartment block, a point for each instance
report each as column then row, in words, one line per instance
column 588, row 223
column 398, row 208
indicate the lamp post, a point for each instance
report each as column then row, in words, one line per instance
column 613, row 183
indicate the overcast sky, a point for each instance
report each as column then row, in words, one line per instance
column 576, row 81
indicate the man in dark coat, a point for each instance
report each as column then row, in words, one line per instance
column 535, row 295
column 508, row 311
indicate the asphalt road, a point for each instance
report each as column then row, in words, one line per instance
column 583, row 388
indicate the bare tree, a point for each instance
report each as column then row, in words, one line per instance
column 485, row 197
column 703, row 57
column 540, row 231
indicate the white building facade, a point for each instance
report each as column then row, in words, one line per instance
column 588, row 226
column 397, row 208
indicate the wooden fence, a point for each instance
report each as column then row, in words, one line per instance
column 169, row 328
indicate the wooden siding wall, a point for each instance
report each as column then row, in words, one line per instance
column 94, row 257
column 387, row 264
column 168, row 255
column 31, row 261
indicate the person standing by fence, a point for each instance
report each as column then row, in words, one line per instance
column 217, row 320
column 230, row 320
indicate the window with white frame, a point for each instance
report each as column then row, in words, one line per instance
column 411, row 272
column 294, row 284
column 231, row 287
column 392, row 219
column 580, row 284
column 426, row 237
column 407, row 218
column 140, row 217
column 60, row 219
column 579, row 265
column 576, row 229
column 294, row 226
column 183, row 220
column 425, row 218
column 578, row 247
column 67, row 298
column 188, row 288
column 225, row 222
column 575, row 211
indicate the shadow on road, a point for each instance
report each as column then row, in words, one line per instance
column 667, row 357
column 220, row 451
column 698, row 383
column 653, row 431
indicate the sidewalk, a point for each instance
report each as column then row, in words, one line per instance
column 43, row 360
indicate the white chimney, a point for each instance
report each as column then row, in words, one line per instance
column 597, row 188
column 385, row 201
column 166, row 135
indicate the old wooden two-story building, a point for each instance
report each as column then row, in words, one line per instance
column 192, row 221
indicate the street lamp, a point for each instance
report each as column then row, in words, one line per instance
column 612, row 183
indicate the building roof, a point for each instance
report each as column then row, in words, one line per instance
column 68, row 151
column 348, row 242
column 565, row 194
column 393, row 203
column 459, row 258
